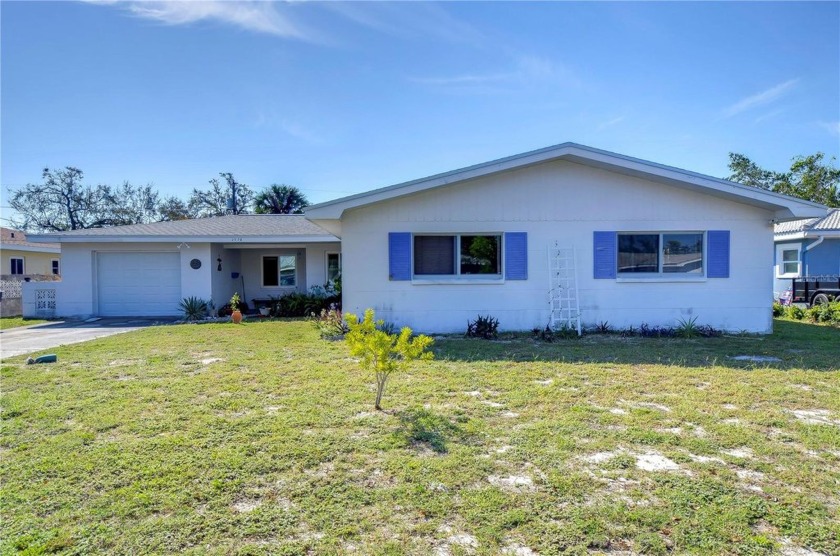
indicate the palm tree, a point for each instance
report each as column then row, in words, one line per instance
column 280, row 199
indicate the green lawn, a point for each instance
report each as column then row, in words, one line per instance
column 16, row 322
column 262, row 439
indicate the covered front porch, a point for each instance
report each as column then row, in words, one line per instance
column 261, row 273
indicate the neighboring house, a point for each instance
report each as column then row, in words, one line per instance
column 147, row 269
column 654, row 244
column 20, row 257
column 807, row 247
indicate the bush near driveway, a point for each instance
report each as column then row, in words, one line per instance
column 260, row 439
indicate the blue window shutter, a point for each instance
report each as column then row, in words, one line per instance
column 718, row 248
column 516, row 255
column 399, row 256
column 604, row 255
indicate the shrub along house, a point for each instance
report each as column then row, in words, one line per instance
column 650, row 244
column 147, row 269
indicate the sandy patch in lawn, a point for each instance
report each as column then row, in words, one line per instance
column 729, row 406
column 516, row 483
column 750, row 479
column 473, row 393
column 731, row 421
column 211, row 360
column 601, row 457
column 546, row 382
column 492, row 404
column 742, row 452
column 647, row 405
column 503, row 449
column 510, row 415
column 246, row 505
column 464, row 541
column 273, row 409
column 790, row 549
column 516, row 549
column 706, row 459
column 654, row 461
column 814, row 416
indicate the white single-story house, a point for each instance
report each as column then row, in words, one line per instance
column 649, row 244
column 807, row 247
column 652, row 244
column 147, row 269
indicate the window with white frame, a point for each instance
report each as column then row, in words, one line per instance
column 788, row 261
column 56, row 269
column 660, row 253
column 333, row 267
column 17, row 265
column 473, row 255
column 279, row 271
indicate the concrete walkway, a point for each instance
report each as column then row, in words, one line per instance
column 41, row 337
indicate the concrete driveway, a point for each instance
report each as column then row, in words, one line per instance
column 42, row 337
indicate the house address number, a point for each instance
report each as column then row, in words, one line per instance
column 236, row 239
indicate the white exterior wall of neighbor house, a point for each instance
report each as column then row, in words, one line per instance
column 564, row 201
column 80, row 273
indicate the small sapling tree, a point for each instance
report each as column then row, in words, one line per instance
column 381, row 352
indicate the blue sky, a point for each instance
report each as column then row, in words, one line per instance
column 337, row 98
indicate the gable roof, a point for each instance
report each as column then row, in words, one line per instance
column 16, row 240
column 783, row 206
column 253, row 228
column 808, row 227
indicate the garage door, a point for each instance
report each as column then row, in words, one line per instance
column 139, row 284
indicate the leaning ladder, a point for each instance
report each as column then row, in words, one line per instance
column 563, row 295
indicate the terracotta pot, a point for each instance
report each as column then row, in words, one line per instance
column 236, row 317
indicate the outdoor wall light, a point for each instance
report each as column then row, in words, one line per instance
column 219, row 267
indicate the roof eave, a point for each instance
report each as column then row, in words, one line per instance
column 783, row 207
column 32, row 248
column 188, row 239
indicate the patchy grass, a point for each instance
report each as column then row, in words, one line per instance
column 17, row 322
column 262, row 439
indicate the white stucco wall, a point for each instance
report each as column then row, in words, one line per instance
column 566, row 202
column 76, row 295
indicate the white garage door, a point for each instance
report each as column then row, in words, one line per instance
column 139, row 284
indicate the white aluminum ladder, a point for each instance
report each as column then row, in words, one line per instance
column 563, row 295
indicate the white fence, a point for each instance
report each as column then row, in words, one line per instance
column 39, row 299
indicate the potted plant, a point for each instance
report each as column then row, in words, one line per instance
column 236, row 315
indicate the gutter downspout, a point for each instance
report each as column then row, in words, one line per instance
column 806, row 248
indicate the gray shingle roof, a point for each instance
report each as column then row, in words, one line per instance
column 242, row 225
column 830, row 222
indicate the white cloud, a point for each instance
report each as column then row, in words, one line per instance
column 610, row 123
column 257, row 16
column 762, row 98
column 526, row 71
column 407, row 20
column 769, row 115
column 832, row 127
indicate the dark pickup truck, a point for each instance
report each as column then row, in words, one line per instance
column 813, row 290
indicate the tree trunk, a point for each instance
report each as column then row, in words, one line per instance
column 380, row 389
